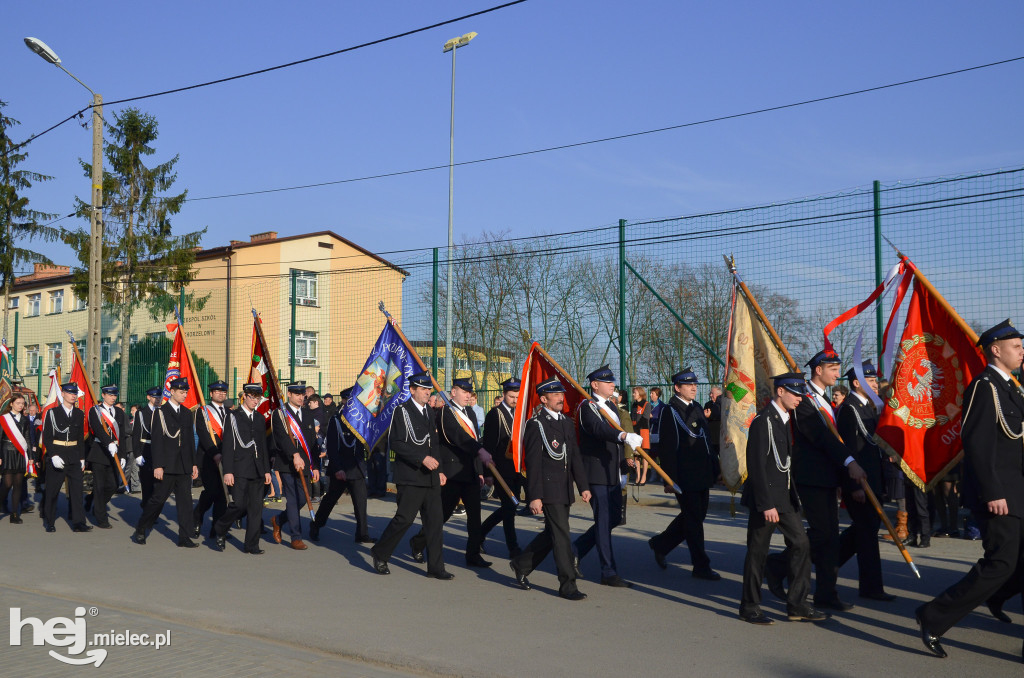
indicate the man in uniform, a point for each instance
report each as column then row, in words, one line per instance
column 246, row 469
column 418, row 477
column 497, row 433
column 346, row 461
column 684, row 447
column 992, row 428
column 142, row 442
column 601, row 446
column 857, row 420
column 174, row 465
column 294, row 452
column 553, row 460
column 64, row 440
column 210, row 430
column 820, row 462
column 773, row 501
column 107, row 424
column 463, row 459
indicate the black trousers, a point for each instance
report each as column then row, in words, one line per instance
column 377, row 483
column 356, row 488
column 295, row 499
column 606, row 502
column 54, row 481
column 105, row 481
column 469, row 493
column 797, row 561
column 212, row 496
column 919, row 519
column 1003, row 542
column 181, row 485
column 505, row 514
column 861, row 539
column 426, row 501
column 821, row 510
column 147, row 481
column 688, row 526
column 554, row 538
column 247, row 500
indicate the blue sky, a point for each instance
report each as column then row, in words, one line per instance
column 542, row 73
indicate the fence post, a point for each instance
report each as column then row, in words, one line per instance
column 622, row 303
column 320, row 382
column 291, row 344
column 433, row 335
column 877, row 190
column 234, row 382
column 39, row 377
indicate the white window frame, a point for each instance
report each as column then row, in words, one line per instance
column 305, row 347
column 306, row 288
column 12, row 303
column 56, row 301
column 35, row 301
column 52, row 351
column 32, row 358
column 81, row 303
column 105, row 351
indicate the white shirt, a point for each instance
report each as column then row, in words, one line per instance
column 175, row 406
column 603, row 402
column 819, row 393
column 67, row 410
column 248, row 411
column 782, row 412
column 554, row 415
column 862, row 399
column 1002, row 374
column 683, row 400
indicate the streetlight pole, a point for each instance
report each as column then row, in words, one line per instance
column 449, row 360
column 94, row 316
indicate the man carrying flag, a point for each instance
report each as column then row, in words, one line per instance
column 210, row 422
column 294, row 431
column 108, row 430
column 64, row 440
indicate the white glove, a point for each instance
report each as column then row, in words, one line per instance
column 122, row 464
column 112, row 448
column 140, row 461
column 633, row 440
column 83, row 464
column 57, row 462
column 485, row 457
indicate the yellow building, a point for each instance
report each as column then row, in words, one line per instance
column 471, row 363
column 338, row 286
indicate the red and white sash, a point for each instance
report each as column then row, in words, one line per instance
column 213, row 419
column 13, row 433
column 296, row 433
column 465, row 421
column 110, row 422
column 822, row 404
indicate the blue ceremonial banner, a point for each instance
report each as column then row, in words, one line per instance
column 380, row 388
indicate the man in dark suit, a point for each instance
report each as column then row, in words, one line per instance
column 142, row 442
column 774, row 502
column 294, row 456
column 246, row 464
column 418, row 476
column 210, row 431
column 553, row 460
column 462, row 460
column 64, row 440
column 857, row 420
column 820, row 463
column 687, row 456
column 992, row 428
column 174, row 465
column 107, row 424
column 497, row 434
column 346, row 462
column 601, row 446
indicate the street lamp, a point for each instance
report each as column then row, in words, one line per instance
column 92, row 366
column 451, row 46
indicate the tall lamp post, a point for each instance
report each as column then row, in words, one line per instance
column 92, row 366
column 449, row 360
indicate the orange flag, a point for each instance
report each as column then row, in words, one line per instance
column 85, row 398
column 179, row 365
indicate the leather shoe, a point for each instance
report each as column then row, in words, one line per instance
column 659, row 558
column 576, row 566
column 365, row 540
column 256, row 551
column 81, row 527
column 931, row 642
column 195, row 530
column 314, row 532
column 219, row 543
column 834, row 604
column 105, row 525
column 616, row 581
column 758, row 619
column 809, row 614
column 521, row 579
column 477, row 561
column 298, row 544
column 28, row 508
column 16, row 520
column 707, row 574
column 139, row 538
column 381, row 566
column 879, row 595
column 997, row 611
column 51, row 528
column 417, row 555
column 276, row 529
column 188, row 544
column 575, row 595
column 443, row 575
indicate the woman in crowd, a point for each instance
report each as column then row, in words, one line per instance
column 640, row 415
column 14, row 446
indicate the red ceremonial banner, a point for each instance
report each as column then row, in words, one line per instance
column 934, row 364
column 179, row 366
column 261, row 372
column 85, row 399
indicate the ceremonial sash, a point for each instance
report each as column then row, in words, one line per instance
column 465, row 422
column 821, row 404
column 296, row 433
column 111, row 423
column 213, row 421
column 13, row 434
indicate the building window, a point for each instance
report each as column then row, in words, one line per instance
column 32, row 358
column 81, row 303
column 81, row 345
column 462, row 364
column 133, row 339
column 53, row 355
column 305, row 348
column 12, row 303
column 57, row 301
column 105, row 351
column 154, row 336
column 33, row 305
column 305, row 288
column 478, row 365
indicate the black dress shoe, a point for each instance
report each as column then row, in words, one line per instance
column 809, row 614
column 139, row 538
column 381, row 566
column 616, row 581
column 477, row 561
column 576, row 566
column 219, row 543
column 659, row 558
column 483, row 551
column 775, row 584
column 51, row 528
column 314, row 532
column 931, row 642
column 879, row 595
column 575, row 595
column 16, row 520
column 707, row 574
column 417, row 555
column 521, row 579
column 256, row 551
column 27, row 508
column 443, row 575
column 365, row 540
column 188, row 544
column 195, row 530
column 758, row 619
column 105, row 525
column 834, row 604
column 81, row 527
column 997, row 611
